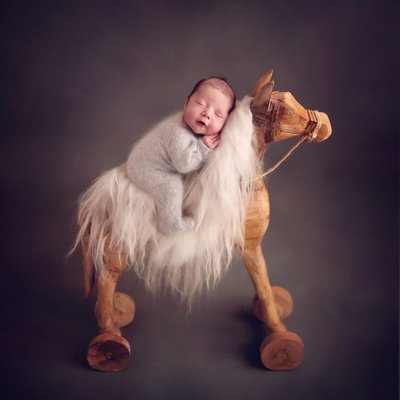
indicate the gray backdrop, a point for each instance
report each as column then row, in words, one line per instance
column 80, row 81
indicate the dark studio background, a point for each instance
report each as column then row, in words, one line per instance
column 80, row 81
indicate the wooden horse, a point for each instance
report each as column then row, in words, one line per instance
column 276, row 116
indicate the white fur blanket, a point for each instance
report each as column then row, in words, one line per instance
column 119, row 215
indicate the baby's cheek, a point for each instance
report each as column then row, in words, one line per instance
column 221, row 125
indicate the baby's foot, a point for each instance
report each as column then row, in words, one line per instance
column 187, row 223
column 168, row 226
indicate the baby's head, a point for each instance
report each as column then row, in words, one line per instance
column 208, row 106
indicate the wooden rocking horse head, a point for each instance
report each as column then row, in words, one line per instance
column 278, row 116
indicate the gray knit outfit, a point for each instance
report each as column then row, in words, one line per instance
column 158, row 163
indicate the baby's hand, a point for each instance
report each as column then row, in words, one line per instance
column 212, row 141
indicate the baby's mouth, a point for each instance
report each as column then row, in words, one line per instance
column 201, row 123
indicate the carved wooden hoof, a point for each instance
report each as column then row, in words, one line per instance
column 283, row 300
column 108, row 352
column 124, row 309
column 282, row 351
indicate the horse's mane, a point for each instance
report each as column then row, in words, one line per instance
column 121, row 217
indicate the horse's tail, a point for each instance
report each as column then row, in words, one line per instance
column 115, row 218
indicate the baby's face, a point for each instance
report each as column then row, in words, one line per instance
column 207, row 110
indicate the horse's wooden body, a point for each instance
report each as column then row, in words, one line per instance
column 276, row 116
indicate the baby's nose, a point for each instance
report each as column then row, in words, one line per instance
column 206, row 112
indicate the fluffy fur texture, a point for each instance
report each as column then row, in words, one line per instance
column 121, row 217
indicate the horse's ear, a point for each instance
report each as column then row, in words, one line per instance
column 263, row 94
column 266, row 78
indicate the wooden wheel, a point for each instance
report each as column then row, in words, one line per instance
column 124, row 309
column 282, row 351
column 108, row 352
column 283, row 300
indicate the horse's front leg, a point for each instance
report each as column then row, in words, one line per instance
column 110, row 351
column 281, row 350
column 264, row 304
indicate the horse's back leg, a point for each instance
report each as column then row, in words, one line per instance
column 88, row 267
column 110, row 351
